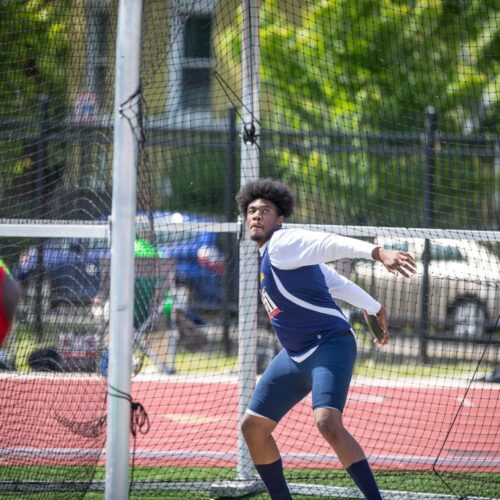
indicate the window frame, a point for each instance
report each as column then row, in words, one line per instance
column 176, row 113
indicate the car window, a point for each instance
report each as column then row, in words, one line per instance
column 96, row 243
column 445, row 253
column 401, row 246
column 60, row 244
column 175, row 237
column 163, row 238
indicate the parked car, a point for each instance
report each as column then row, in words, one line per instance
column 71, row 273
column 464, row 287
column 199, row 258
column 72, row 266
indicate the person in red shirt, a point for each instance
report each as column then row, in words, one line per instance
column 10, row 293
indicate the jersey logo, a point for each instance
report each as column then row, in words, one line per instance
column 271, row 308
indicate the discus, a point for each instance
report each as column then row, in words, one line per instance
column 374, row 326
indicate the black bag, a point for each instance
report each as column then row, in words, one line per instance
column 46, row 360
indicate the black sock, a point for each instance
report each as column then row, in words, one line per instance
column 362, row 475
column 274, row 479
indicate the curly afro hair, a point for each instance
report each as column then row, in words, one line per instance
column 269, row 189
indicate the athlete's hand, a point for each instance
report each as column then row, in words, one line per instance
column 377, row 324
column 396, row 262
column 382, row 321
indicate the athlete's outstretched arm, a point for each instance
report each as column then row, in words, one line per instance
column 293, row 248
column 344, row 289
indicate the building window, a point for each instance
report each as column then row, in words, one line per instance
column 190, row 62
column 90, row 98
column 97, row 51
column 197, row 35
column 196, row 62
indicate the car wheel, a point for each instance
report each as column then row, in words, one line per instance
column 467, row 319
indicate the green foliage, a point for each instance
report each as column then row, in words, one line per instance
column 374, row 65
column 334, row 71
column 34, row 41
column 198, row 175
column 36, row 33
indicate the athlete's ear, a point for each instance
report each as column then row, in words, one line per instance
column 280, row 220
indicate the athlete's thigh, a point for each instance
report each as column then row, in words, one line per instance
column 331, row 371
column 281, row 387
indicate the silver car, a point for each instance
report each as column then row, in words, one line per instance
column 463, row 287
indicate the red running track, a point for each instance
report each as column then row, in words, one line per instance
column 49, row 420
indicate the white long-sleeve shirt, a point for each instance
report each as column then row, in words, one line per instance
column 297, row 287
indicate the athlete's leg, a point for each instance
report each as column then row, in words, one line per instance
column 331, row 375
column 281, row 386
column 257, row 432
column 331, row 427
column 350, row 453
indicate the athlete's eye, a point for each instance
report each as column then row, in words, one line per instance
column 262, row 210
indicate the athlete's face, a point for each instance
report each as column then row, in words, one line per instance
column 262, row 220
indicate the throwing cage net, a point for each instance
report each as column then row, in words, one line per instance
column 382, row 117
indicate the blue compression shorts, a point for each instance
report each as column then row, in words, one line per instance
column 326, row 372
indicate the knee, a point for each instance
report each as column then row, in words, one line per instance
column 330, row 426
column 245, row 426
column 254, row 428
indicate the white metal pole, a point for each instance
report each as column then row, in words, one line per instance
column 248, row 293
column 125, row 154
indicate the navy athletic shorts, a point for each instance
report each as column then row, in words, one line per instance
column 326, row 372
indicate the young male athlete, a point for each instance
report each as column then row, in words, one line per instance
column 10, row 294
column 297, row 290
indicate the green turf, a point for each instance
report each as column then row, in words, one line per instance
column 461, row 484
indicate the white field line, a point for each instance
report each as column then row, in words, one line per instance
column 397, row 460
column 427, row 383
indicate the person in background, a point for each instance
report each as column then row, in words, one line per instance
column 297, row 289
column 493, row 377
column 10, row 294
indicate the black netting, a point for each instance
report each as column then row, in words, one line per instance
column 381, row 116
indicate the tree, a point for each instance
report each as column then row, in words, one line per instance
column 35, row 45
column 34, row 54
column 372, row 66
column 375, row 65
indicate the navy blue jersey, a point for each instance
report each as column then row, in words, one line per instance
column 299, row 305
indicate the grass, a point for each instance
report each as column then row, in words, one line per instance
column 374, row 365
column 386, row 363
column 411, row 370
column 205, row 362
column 459, row 484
